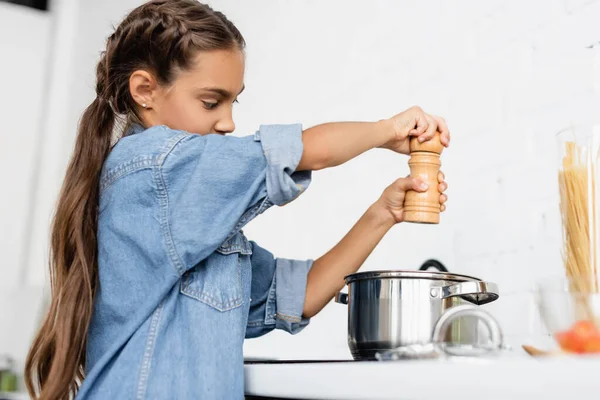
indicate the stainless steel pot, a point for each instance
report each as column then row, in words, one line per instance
column 391, row 309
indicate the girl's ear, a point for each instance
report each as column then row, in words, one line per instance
column 143, row 88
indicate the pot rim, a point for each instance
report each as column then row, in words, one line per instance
column 409, row 274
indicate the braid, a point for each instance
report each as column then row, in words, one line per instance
column 102, row 91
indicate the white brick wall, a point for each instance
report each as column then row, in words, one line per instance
column 24, row 43
column 506, row 74
column 22, row 77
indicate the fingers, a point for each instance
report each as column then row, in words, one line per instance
column 416, row 184
column 421, row 122
column 419, row 185
column 443, row 186
column 427, row 126
column 443, row 200
column 443, row 130
column 431, row 129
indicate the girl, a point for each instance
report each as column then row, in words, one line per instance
column 154, row 285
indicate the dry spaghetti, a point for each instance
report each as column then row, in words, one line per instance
column 578, row 214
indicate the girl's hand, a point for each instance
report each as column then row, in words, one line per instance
column 415, row 122
column 391, row 202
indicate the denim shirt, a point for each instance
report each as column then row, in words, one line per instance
column 180, row 286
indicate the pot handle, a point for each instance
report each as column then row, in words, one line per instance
column 476, row 292
column 341, row 298
column 444, row 322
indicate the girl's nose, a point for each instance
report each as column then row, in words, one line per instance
column 225, row 124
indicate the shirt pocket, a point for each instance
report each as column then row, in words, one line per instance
column 217, row 281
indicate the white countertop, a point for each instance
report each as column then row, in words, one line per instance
column 518, row 377
column 14, row 396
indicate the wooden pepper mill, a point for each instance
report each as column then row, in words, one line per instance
column 424, row 207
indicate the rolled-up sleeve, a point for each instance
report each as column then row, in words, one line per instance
column 278, row 292
column 211, row 186
column 283, row 148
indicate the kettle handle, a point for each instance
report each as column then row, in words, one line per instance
column 433, row 264
column 454, row 313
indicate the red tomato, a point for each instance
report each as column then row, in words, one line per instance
column 583, row 337
column 568, row 342
column 584, row 330
column 592, row 345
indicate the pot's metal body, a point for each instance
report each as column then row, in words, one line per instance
column 391, row 309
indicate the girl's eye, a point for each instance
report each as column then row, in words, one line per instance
column 210, row 106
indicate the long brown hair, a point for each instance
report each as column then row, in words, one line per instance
column 161, row 37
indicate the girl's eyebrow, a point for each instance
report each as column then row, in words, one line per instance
column 222, row 92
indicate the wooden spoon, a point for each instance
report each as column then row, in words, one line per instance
column 535, row 352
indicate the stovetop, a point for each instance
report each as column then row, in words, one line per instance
column 266, row 361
